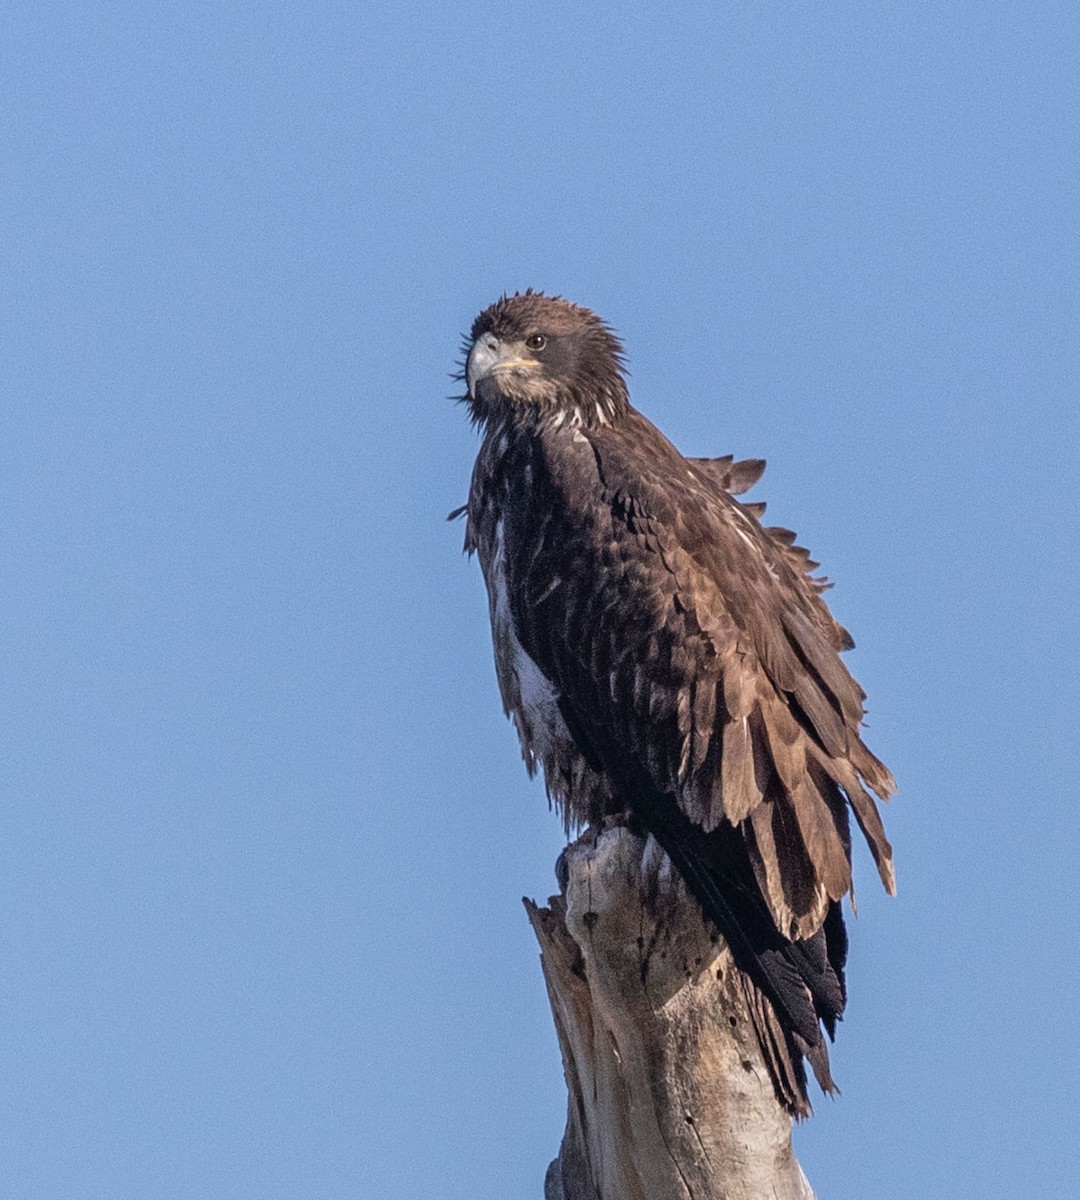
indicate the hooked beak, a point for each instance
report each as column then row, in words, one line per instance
column 489, row 356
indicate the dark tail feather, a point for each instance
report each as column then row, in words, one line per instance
column 782, row 1058
column 803, row 981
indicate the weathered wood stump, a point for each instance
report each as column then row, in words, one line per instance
column 669, row 1097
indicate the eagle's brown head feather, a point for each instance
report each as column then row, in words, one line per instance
column 531, row 356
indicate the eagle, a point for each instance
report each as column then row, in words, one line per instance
column 669, row 661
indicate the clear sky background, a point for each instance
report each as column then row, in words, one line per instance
column 264, row 831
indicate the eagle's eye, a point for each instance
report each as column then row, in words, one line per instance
column 536, row 341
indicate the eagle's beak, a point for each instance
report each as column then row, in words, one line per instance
column 481, row 361
column 488, row 356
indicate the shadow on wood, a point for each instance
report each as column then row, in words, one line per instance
column 669, row 1098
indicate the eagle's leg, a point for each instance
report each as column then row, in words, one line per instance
column 618, row 819
column 591, row 835
column 622, row 818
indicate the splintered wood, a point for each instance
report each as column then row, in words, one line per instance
column 669, row 1098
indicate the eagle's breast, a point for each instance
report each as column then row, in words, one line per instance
column 529, row 696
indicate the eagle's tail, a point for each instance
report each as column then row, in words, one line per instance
column 795, row 987
column 792, row 987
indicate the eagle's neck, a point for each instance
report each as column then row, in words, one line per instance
column 601, row 408
column 555, row 408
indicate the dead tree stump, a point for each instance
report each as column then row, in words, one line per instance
column 669, row 1098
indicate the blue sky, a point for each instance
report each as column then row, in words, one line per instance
column 264, row 830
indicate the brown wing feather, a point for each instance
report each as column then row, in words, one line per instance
column 733, row 477
column 717, row 660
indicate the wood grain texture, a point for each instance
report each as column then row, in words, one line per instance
column 670, row 1097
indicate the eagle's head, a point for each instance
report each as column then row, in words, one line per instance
column 531, row 355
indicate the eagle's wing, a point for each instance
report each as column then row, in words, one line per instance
column 738, row 477
column 734, row 477
column 683, row 637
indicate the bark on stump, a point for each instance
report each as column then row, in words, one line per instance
column 669, row 1098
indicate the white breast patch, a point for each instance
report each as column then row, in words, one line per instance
column 528, row 695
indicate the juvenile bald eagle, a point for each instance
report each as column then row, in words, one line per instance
column 664, row 654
